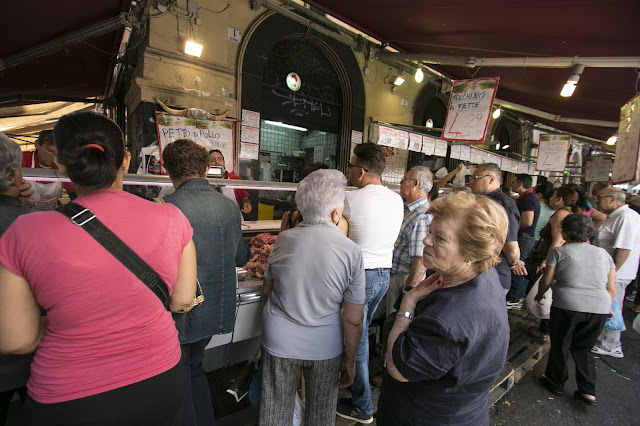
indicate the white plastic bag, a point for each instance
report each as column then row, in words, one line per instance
column 298, row 412
column 636, row 323
column 541, row 310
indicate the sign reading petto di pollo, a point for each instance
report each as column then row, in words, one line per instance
column 469, row 109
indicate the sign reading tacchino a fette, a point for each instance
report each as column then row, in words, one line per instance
column 206, row 133
column 553, row 150
column 625, row 165
column 469, row 109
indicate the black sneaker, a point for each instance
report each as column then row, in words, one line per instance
column 347, row 410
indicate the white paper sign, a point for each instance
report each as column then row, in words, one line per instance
column 625, row 166
column 598, row 169
column 249, row 151
column 455, row 151
column 249, row 134
column 428, row 145
column 465, row 153
column 395, row 138
column 469, row 109
column 356, row 136
column 441, row 148
column 552, row 152
column 250, row 118
column 476, row 156
column 208, row 134
column 415, row 142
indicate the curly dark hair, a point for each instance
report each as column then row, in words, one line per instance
column 371, row 157
column 185, row 158
column 578, row 227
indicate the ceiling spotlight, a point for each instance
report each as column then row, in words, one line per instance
column 192, row 48
column 505, row 146
column 419, row 75
column 398, row 81
column 612, row 140
column 496, row 113
column 572, row 81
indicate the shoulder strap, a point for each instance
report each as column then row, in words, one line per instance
column 87, row 220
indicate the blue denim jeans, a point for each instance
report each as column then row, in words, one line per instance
column 377, row 283
column 519, row 282
column 198, row 408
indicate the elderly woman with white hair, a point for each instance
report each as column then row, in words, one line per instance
column 312, row 320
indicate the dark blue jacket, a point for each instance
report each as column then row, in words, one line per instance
column 215, row 220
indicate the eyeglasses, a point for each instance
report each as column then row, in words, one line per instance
column 476, row 177
column 349, row 165
column 406, row 179
column 600, row 197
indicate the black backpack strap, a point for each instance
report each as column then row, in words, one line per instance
column 87, row 220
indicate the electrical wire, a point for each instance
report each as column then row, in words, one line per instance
column 145, row 28
column 215, row 11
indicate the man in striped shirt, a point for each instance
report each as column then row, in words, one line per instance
column 407, row 268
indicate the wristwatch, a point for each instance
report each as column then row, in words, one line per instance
column 405, row 314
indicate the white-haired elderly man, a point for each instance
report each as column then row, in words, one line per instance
column 312, row 320
column 407, row 268
column 619, row 235
column 14, row 191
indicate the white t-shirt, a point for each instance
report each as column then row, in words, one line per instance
column 621, row 229
column 375, row 214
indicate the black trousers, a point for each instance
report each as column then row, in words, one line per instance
column 156, row 401
column 574, row 332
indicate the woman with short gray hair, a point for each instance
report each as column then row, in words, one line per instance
column 312, row 320
column 10, row 160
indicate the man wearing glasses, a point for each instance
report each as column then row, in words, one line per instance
column 619, row 235
column 486, row 180
column 375, row 214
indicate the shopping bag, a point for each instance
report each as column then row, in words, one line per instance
column 540, row 310
column 617, row 322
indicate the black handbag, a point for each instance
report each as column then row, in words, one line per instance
column 86, row 219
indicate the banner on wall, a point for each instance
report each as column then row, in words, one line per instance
column 206, row 133
column 469, row 109
column 625, row 165
column 552, row 152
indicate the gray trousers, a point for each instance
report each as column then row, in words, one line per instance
column 610, row 339
column 280, row 382
column 396, row 284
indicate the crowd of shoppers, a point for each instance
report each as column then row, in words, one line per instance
column 94, row 345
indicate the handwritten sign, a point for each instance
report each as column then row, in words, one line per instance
column 455, row 151
column 625, row 166
column 476, row 156
column 415, row 142
column 469, row 109
column 250, row 118
column 249, row 151
column 395, row 138
column 249, row 134
column 552, row 152
column 209, row 134
column 465, row 153
column 597, row 168
column 428, row 145
column 356, row 136
column 441, row 148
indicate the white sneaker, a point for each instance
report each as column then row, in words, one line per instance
column 615, row 353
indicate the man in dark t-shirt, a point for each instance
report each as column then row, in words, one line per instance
column 486, row 180
column 529, row 208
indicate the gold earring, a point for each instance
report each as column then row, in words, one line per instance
column 468, row 262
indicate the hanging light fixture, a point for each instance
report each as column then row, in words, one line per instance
column 572, row 81
column 419, row 75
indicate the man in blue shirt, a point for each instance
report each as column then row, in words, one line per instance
column 407, row 268
column 529, row 208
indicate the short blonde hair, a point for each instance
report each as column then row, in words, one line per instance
column 484, row 232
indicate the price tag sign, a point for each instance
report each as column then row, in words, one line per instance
column 395, row 138
column 455, row 151
column 469, row 110
column 625, row 166
column 598, row 169
column 415, row 142
column 441, row 148
column 552, row 152
column 428, row 145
